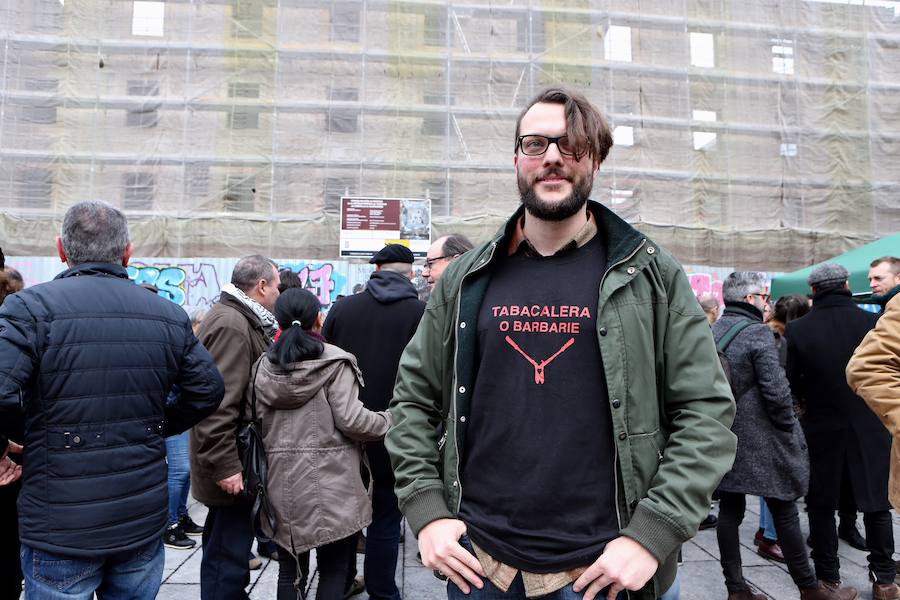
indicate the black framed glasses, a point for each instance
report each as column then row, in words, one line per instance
column 536, row 145
column 429, row 262
column 765, row 297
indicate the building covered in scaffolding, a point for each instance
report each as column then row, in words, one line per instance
column 757, row 133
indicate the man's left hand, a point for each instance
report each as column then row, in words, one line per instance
column 624, row 565
column 9, row 470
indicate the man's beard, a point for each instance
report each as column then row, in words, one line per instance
column 555, row 211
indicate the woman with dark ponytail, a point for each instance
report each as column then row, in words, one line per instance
column 307, row 394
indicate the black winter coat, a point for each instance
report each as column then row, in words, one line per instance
column 375, row 326
column 91, row 357
column 771, row 459
column 839, row 425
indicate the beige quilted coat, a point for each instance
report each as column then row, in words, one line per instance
column 874, row 373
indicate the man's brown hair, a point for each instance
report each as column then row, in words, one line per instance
column 892, row 261
column 586, row 126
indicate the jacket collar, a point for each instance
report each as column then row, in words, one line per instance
column 232, row 302
column 833, row 297
column 885, row 298
column 95, row 268
column 621, row 238
column 743, row 309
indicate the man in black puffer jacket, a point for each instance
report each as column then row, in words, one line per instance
column 89, row 359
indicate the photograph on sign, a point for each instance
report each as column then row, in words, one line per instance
column 368, row 224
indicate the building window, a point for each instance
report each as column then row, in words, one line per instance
column 47, row 15
column 148, row 18
column 240, row 193
column 243, row 117
column 617, row 43
column 435, row 28
column 139, row 190
column 41, row 111
column 335, row 189
column 703, row 49
column 434, row 124
column 704, row 140
column 623, row 135
column 437, row 191
column 246, row 18
column 619, row 196
column 788, row 149
column 147, row 115
column 345, row 19
column 342, row 120
column 197, row 180
column 783, row 56
column 35, row 185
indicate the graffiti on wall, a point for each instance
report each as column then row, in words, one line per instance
column 322, row 279
column 190, row 285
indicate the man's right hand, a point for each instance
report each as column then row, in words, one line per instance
column 232, row 485
column 440, row 549
column 9, row 470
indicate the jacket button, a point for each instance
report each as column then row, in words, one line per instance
column 623, row 435
column 616, row 403
column 631, row 270
column 462, row 419
column 602, row 331
column 455, row 484
column 462, row 389
column 651, row 250
column 76, row 439
column 462, row 325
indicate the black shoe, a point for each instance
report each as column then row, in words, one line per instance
column 188, row 526
column 850, row 534
column 709, row 522
column 267, row 549
column 175, row 538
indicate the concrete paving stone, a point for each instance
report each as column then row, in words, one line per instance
column 179, row 592
column 770, row 580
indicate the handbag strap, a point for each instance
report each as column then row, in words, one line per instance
column 243, row 404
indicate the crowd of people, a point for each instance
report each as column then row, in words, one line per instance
column 553, row 424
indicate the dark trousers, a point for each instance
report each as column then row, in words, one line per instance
column 11, row 571
column 787, row 526
column 382, row 543
column 879, row 539
column 331, row 560
column 290, row 586
column 225, row 568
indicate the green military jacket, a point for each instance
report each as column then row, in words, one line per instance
column 671, row 405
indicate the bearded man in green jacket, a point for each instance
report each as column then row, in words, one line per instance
column 561, row 415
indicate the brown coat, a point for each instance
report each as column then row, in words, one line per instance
column 235, row 338
column 313, row 421
column 874, row 373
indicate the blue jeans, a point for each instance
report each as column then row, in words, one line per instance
column 134, row 575
column 382, row 543
column 179, row 475
column 674, row 592
column 766, row 522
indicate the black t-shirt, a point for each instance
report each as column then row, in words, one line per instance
column 538, row 474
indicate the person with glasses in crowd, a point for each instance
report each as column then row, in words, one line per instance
column 520, row 356
column 441, row 253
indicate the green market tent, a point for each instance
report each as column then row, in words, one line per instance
column 857, row 262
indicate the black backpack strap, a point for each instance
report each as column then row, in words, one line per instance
column 724, row 341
